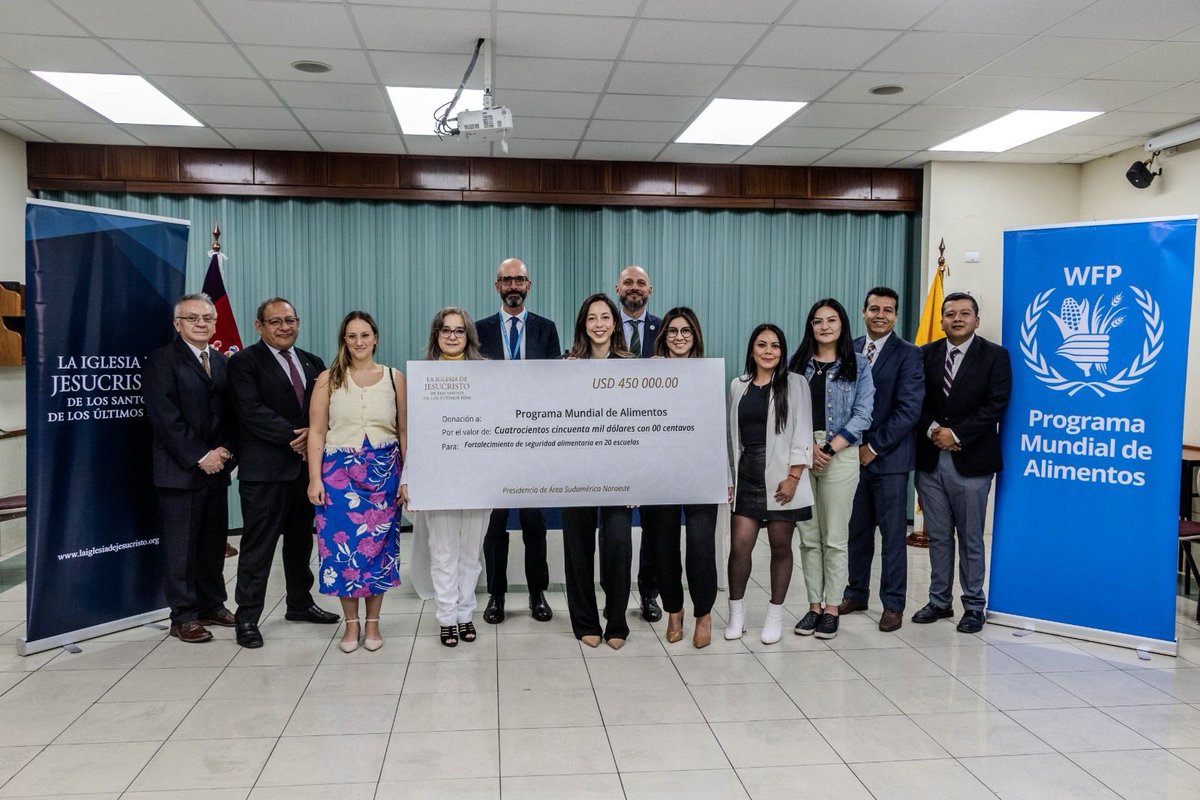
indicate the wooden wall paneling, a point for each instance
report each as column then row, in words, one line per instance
column 216, row 166
column 574, row 176
column 641, row 177
column 505, row 175
column 141, row 163
column 769, row 181
column 896, row 184
column 840, row 183
column 835, row 204
column 285, row 168
column 434, row 172
column 363, row 169
column 78, row 161
column 642, row 200
column 714, row 180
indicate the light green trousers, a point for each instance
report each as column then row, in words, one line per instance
column 823, row 538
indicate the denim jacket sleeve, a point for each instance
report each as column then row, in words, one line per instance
column 864, row 403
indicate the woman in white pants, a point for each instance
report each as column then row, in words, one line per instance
column 455, row 537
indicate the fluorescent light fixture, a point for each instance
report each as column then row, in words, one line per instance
column 1015, row 129
column 415, row 106
column 742, row 122
column 124, row 99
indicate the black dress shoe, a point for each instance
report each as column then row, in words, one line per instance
column 971, row 622
column 494, row 613
column 312, row 614
column 248, row 635
column 540, row 608
column 650, row 610
column 931, row 613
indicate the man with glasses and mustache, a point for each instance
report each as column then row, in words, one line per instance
column 272, row 382
column 192, row 441
column 641, row 329
column 516, row 334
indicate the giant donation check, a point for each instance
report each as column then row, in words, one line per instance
column 511, row 434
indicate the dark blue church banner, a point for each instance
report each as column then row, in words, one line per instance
column 1096, row 318
column 101, row 287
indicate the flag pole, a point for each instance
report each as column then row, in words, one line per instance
column 929, row 331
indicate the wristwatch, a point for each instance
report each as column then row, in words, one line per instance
column 827, row 449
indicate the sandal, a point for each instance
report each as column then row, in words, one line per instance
column 372, row 643
column 449, row 636
column 466, row 631
column 349, row 645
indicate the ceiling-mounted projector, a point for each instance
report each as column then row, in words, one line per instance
column 488, row 125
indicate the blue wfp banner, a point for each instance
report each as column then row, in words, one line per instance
column 1096, row 317
column 101, row 287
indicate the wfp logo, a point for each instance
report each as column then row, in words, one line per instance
column 1090, row 330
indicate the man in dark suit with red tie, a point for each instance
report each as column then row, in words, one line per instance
column 968, row 381
column 271, row 383
column 641, row 329
column 516, row 334
column 192, row 445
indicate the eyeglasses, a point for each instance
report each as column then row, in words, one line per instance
column 359, row 337
column 196, row 319
column 452, row 333
column 279, row 322
column 519, row 280
column 679, row 333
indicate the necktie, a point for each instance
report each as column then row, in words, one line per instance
column 297, row 383
column 514, row 339
column 948, row 378
column 871, row 353
column 635, row 339
column 204, row 363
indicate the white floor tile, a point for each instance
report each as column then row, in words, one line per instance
column 235, row 718
column 430, row 756
column 920, row 780
column 745, row 702
column 1079, row 730
column 1166, row 726
column 634, row 705
column 814, row 780
column 458, row 711
column 561, row 675
column 212, row 764
column 780, row 743
column 1144, row 774
column 78, row 768
column 987, row 733
column 930, row 695
column 551, row 708
column 1111, row 688
column 576, row 787
column 318, row 715
column 1050, row 776
column 1022, row 690
column 877, row 739
column 150, row 721
column 304, row 760
column 698, row 785
column 555, row 751
column 146, row 683
column 663, row 748
column 447, row 789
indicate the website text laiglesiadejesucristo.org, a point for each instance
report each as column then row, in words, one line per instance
column 1072, row 435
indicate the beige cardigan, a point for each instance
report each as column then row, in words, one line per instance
column 793, row 446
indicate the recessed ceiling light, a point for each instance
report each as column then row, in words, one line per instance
column 314, row 67
column 1015, row 129
column 742, row 122
column 124, row 99
column 886, row 89
column 415, row 106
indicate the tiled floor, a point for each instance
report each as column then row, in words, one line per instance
column 526, row 712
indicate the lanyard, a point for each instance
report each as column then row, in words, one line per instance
column 514, row 353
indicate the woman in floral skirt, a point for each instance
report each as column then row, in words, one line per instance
column 357, row 438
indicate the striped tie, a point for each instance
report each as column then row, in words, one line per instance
column 948, row 378
column 870, row 353
column 204, row 363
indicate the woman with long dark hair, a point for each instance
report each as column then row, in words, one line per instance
column 843, row 397
column 598, row 334
column 680, row 337
column 770, row 441
column 454, row 537
column 357, row 438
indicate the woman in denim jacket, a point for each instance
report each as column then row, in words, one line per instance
column 842, row 398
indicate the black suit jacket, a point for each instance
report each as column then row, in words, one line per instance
column 651, row 326
column 973, row 410
column 267, row 411
column 189, row 415
column 899, row 377
column 541, row 337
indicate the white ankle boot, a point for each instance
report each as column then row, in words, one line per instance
column 773, row 625
column 737, row 619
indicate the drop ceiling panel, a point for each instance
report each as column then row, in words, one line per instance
column 316, row 119
column 426, row 69
column 214, row 91
column 82, row 132
column 648, row 107
column 992, row 91
column 268, row 140
column 432, row 146
column 701, row 153
column 1185, row 98
column 919, row 51
column 284, row 23
column 60, row 54
column 359, row 142
column 569, row 105
column 277, row 118
column 716, row 10
column 1118, row 19
column 1054, row 57
column 552, row 74
column 691, row 42
column 861, row 13
column 1067, row 143
column 142, row 19
column 560, row 35
column 943, row 118
column 344, row 96
column 857, row 87
column 618, row 151
column 538, row 148
column 777, row 83
column 275, row 63
column 41, row 109
column 850, row 115
column 1166, row 61
column 1131, row 123
column 549, row 128
column 903, row 140
column 819, row 48
column 1093, row 95
column 615, row 8
column 172, row 136
column 189, row 59
column 863, row 158
column 22, row 132
column 792, row 156
column 810, row 138
column 431, row 30
column 679, row 79
column 1027, row 17
column 629, row 131
column 19, row 83
column 36, row 17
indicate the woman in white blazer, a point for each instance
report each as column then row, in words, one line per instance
column 770, row 444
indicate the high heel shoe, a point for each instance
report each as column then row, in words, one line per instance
column 349, row 646
column 737, row 619
column 702, row 634
column 773, row 624
column 591, row 640
column 372, row 643
column 674, row 626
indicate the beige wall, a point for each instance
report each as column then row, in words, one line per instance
column 12, row 264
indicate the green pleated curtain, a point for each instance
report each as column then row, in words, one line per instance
column 403, row 261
